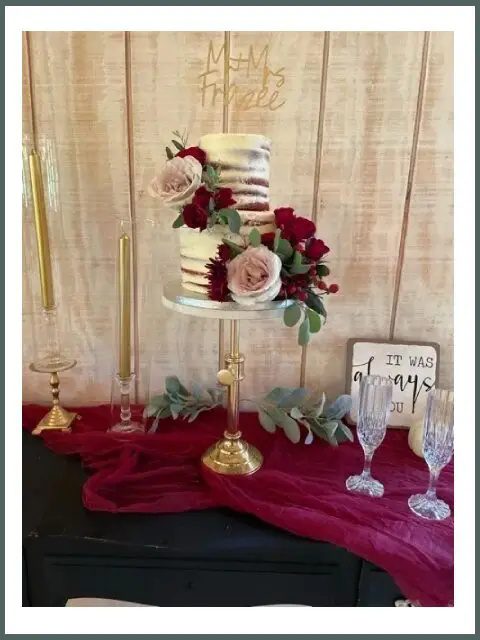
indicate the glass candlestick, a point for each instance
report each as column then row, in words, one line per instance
column 124, row 423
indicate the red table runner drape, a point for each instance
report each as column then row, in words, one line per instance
column 300, row 489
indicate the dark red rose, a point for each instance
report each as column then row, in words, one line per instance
column 217, row 280
column 333, row 288
column 316, row 249
column 196, row 152
column 300, row 229
column 284, row 217
column 267, row 239
column 195, row 216
column 202, row 197
column 294, row 228
column 223, row 252
column 223, row 198
column 301, row 295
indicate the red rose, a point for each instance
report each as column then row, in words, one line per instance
column 202, row 197
column 195, row 216
column 267, row 239
column 284, row 217
column 223, row 198
column 294, row 228
column 333, row 288
column 316, row 249
column 196, row 152
column 301, row 229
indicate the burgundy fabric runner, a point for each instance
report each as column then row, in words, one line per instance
column 300, row 489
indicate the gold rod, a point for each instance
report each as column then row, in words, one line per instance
column 132, row 208
column 411, row 174
column 225, row 126
column 28, row 60
column 124, row 287
column 318, row 166
column 233, row 393
column 41, row 232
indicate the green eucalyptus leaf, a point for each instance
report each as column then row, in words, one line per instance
column 313, row 301
column 177, row 144
column 266, row 421
column 172, row 384
column 234, row 248
column 294, row 399
column 297, row 258
column 276, row 395
column 276, row 239
column 322, row 270
column 314, row 321
column 296, row 413
column 340, row 407
column 254, row 238
column 176, row 410
column 169, row 153
column 304, row 332
column 284, row 249
column 292, row 315
column 345, row 430
column 178, row 222
column 296, row 269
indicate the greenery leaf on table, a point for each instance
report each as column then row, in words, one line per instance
column 179, row 402
column 292, row 408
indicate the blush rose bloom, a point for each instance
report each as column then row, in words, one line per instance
column 177, row 183
column 254, row 276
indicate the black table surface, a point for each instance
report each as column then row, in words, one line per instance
column 213, row 557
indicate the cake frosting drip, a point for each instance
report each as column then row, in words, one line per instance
column 243, row 161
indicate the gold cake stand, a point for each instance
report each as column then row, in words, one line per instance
column 231, row 455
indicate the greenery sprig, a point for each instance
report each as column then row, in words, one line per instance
column 288, row 408
column 283, row 407
column 179, row 402
column 179, row 141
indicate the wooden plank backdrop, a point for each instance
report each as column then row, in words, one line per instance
column 362, row 132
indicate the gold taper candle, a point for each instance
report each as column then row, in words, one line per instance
column 124, row 301
column 41, row 231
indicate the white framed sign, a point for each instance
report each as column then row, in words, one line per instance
column 412, row 367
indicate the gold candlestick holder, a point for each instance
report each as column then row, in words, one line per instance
column 57, row 418
column 231, row 455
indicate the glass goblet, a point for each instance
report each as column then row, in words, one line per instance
column 373, row 412
column 437, row 451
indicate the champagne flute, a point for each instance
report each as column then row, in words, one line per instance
column 373, row 412
column 437, row 451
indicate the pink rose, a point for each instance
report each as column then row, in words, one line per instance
column 177, row 183
column 254, row 276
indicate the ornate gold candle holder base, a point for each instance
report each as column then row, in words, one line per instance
column 232, row 456
column 57, row 418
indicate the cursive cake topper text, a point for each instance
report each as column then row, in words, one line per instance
column 252, row 82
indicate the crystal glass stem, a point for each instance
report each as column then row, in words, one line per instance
column 432, row 485
column 125, row 411
column 368, row 462
column 51, row 333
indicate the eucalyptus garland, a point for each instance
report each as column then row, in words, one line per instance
column 285, row 408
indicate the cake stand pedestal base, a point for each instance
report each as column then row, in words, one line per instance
column 232, row 456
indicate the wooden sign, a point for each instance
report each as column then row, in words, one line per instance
column 412, row 367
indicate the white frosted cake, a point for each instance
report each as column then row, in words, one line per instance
column 243, row 161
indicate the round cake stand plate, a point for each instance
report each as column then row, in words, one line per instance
column 179, row 299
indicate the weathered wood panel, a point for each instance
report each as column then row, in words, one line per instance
column 371, row 99
column 356, row 190
column 167, row 81
column 79, row 93
column 275, row 83
column 425, row 306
